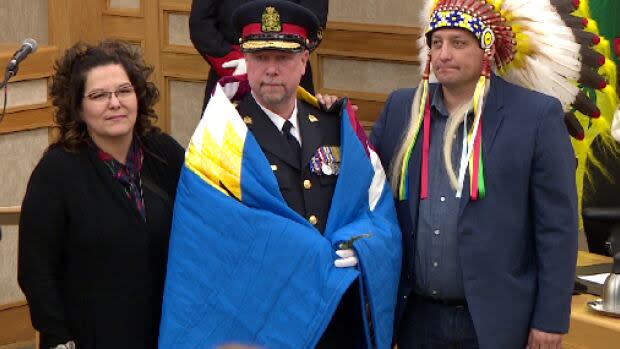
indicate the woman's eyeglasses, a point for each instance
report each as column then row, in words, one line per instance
column 101, row 96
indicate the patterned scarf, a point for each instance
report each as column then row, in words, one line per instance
column 128, row 175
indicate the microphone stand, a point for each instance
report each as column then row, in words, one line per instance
column 8, row 74
column 28, row 46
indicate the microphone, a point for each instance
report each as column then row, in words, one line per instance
column 28, row 46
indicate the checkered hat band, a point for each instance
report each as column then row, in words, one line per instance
column 456, row 19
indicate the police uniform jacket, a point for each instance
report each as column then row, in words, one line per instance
column 308, row 193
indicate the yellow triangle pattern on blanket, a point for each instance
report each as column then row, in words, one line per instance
column 216, row 149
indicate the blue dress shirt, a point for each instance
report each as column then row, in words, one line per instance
column 437, row 265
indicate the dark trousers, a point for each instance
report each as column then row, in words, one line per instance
column 432, row 325
column 345, row 329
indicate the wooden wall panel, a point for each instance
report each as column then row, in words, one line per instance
column 148, row 26
column 74, row 20
column 180, row 64
column 37, row 66
column 185, row 99
column 23, row 19
column 399, row 12
column 166, row 44
column 128, row 28
column 152, row 53
column 20, row 152
column 177, row 24
column 112, row 5
column 124, row 8
column 25, row 93
column 356, row 41
column 15, row 323
column 27, row 119
column 9, row 215
column 370, row 41
column 177, row 5
column 367, row 75
column 184, row 66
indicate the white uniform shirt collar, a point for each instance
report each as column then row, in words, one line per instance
column 279, row 121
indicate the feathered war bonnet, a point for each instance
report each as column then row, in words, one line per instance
column 550, row 46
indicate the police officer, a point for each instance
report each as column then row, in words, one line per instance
column 215, row 38
column 301, row 142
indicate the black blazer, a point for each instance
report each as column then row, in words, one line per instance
column 315, row 199
column 92, row 270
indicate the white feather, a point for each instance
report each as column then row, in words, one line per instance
column 615, row 125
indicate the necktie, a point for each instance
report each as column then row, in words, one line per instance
column 291, row 140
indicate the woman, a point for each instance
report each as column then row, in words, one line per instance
column 95, row 221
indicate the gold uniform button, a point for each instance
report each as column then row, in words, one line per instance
column 313, row 220
column 307, row 184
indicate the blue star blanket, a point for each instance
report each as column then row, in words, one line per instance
column 245, row 268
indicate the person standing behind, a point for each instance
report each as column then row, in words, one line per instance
column 216, row 39
column 95, row 220
column 489, row 249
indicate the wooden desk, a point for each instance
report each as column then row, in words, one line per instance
column 589, row 329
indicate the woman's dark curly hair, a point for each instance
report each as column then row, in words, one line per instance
column 67, row 90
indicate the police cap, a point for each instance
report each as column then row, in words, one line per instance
column 275, row 25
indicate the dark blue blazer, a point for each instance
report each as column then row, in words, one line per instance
column 518, row 245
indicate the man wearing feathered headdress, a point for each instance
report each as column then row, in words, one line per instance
column 484, row 176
